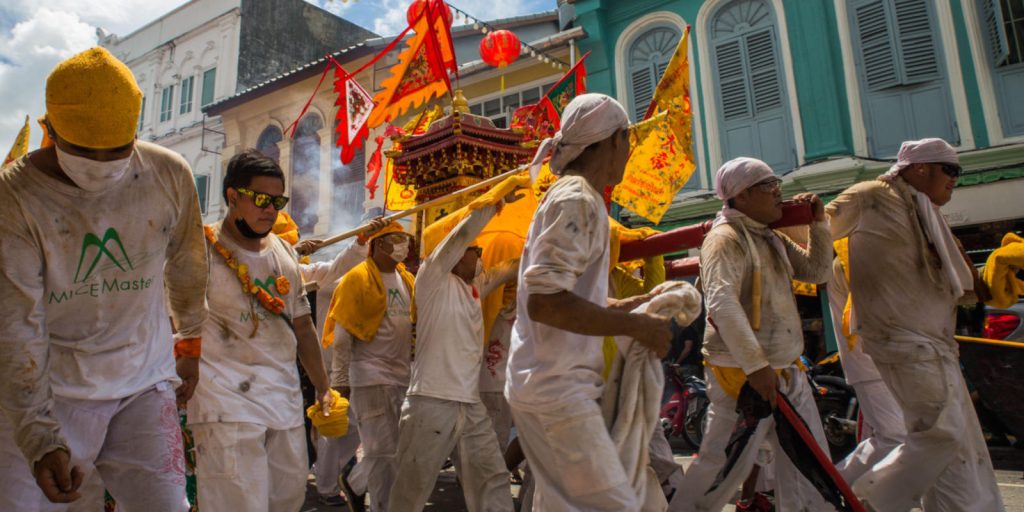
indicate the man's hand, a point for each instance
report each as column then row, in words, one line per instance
column 629, row 303
column 307, row 247
column 326, row 401
column 375, row 225
column 653, row 332
column 52, row 476
column 817, row 205
column 188, row 370
column 765, row 382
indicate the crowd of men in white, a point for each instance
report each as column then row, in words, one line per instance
column 102, row 241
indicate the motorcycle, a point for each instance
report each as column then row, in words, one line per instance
column 837, row 406
column 685, row 413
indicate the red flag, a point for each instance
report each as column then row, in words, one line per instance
column 538, row 121
column 373, row 167
column 356, row 106
column 572, row 84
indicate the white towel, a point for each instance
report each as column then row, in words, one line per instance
column 639, row 397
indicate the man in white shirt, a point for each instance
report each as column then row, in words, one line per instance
column 246, row 414
column 907, row 274
column 371, row 313
column 442, row 410
column 556, row 360
column 96, row 228
column 754, row 333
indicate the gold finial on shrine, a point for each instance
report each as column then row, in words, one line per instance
column 459, row 102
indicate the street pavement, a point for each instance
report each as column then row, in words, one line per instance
column 447, row 496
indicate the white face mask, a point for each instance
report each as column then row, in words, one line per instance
column 399, row 251
column 92, row 175
column 479, row 268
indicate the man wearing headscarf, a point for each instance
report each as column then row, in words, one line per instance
column 371, row 325
column 907, row 274
column 754, row 331
column 556, row 360
column 97, row 228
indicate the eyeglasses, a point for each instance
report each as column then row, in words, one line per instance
column 951, row 170
column 262, row 200
column 769, row 185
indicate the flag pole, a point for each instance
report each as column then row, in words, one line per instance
column 429, row 204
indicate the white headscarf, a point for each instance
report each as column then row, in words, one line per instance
column 734, row 177
column 924, row 151
column 588, row 118
column 929, row 151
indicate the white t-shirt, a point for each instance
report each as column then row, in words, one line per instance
column 566, row 250
column 244, row 378
column 385, row 360
column 84, row 276
column 450, row 325
column 857, row 365
column 492, row 371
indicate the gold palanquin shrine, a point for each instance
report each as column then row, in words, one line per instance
column 456, row 151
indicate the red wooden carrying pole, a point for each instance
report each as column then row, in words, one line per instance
column 688, row 237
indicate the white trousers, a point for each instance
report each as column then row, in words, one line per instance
column 378, row 411
column 792, row 491
column 883, row 420
column 944, row 462
column 431, row 429
column 132, row 447
column 246, row 466
column 573, row 461
column 332, row 453
column 500, row 414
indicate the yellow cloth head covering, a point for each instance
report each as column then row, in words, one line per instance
column 392, row 227
column 335, row 425
column 286, row 229
column 93, row 101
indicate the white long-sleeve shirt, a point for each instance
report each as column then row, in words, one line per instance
column 327, row 274
column 449, row 320
column 726, row 271
column 566, row 250
column 83, row 275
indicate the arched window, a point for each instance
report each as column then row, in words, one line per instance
column 267, row 143
column 753, row 108
column 1003, row 24
column 901, row 73
column 648, row 57
column 306, row 173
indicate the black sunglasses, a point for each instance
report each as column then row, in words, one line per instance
column 951, row 170
column 261, row 200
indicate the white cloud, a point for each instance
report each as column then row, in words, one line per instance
column 46, row 32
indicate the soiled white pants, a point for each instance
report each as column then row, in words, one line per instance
column 573, row 461
column 131, row 446
column 792, row 491
column 246, row 466
column 431, row 428
column 332, row 453
column 378, row 410
column 883, row 419
column 944, row 462
column 500, row 414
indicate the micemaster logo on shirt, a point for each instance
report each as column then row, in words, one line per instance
column 97, row 256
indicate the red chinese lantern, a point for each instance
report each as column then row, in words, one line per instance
column 418, row 6
column 500, row 48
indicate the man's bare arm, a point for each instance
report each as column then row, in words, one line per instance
column 569, row 312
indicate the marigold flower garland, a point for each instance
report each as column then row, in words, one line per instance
column 273, row 304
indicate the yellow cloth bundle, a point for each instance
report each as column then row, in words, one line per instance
column 93, row 101
column 360, row 302
column 1000, row 272
column 732, row 379
column 335, row 425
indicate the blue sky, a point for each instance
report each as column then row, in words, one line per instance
column 37, row 34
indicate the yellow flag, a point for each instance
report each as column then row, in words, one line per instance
column 661, row 161
column 20, row 146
